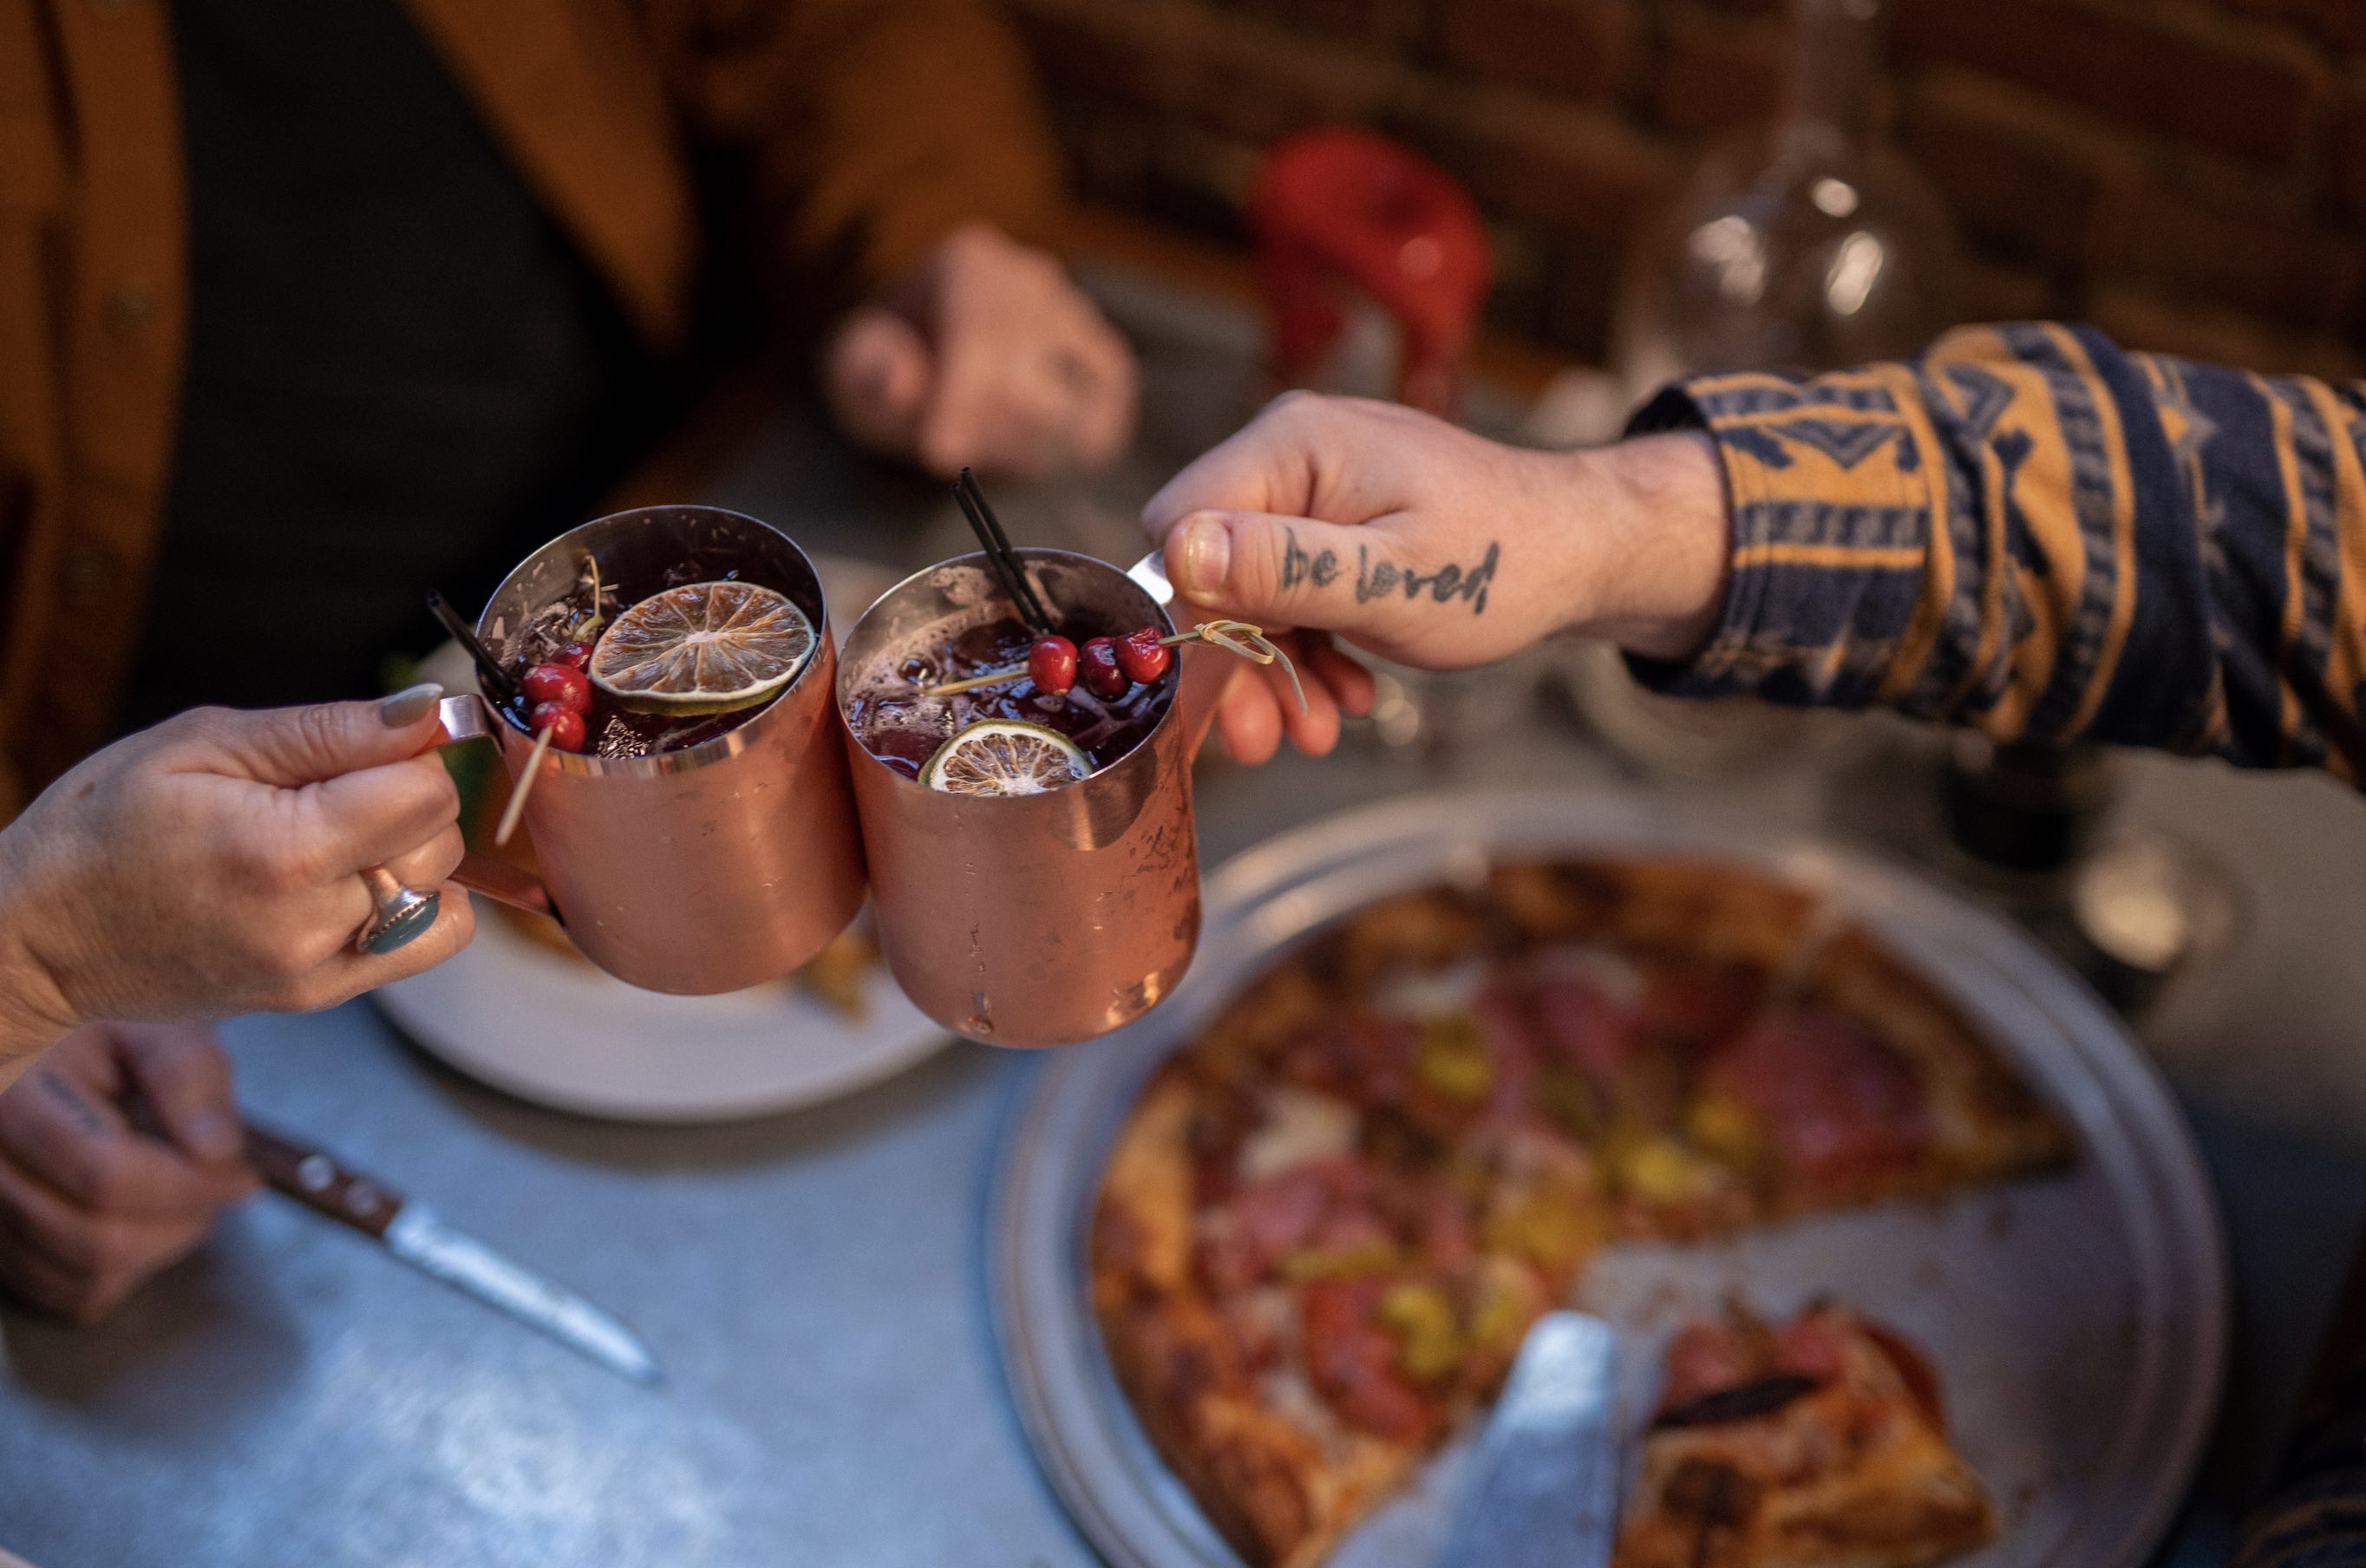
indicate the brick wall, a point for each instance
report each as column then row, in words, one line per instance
column 2189, row 175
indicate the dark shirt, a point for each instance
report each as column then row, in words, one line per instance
column 401, row 373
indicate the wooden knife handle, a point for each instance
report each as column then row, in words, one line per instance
column 316, row 1180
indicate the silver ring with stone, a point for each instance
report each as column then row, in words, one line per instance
column 403, row 913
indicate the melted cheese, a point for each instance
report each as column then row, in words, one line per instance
column 1613, row 974
column 1299, row 1125
column 1429, row 993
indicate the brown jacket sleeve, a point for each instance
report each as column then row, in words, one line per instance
column 861, row 130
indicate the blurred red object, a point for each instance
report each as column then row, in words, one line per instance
column 1338, row 209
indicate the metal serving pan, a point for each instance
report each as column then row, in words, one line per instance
column 2078, row 1323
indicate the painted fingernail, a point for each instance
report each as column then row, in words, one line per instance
column 214, row 1135
column 1207, row 555
column 409, row 704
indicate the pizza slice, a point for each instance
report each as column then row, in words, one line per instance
column 1817, row 1445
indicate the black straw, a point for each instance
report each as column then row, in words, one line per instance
column 499, row 682
column 1006, row 562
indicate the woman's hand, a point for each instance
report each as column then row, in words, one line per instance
column 210, row 866
column 986, row 356
column 116, row 1154
column 1432, row 546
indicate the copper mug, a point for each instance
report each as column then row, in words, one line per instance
column 1035, row 920
column 715, row 867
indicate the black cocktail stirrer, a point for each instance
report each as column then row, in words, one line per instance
column 499, row 683
column 1007, row 565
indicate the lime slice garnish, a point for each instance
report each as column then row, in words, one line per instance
column 1005, row 756
column 705, row 648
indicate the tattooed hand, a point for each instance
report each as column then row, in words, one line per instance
column 90, row 1204
column 1432, row 546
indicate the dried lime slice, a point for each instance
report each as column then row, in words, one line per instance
column 705, row 648
column 1005, row 756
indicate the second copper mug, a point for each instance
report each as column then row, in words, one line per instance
column 707, row 869
column 1033, row 919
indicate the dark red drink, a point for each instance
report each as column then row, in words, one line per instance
column 901, row 724
column 612, row 729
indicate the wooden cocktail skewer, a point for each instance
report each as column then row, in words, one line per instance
column 1234, row 636
column 523, row 787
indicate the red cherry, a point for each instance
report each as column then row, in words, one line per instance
column 1143, row 656
column 574, row 655
column 1052, row 664
column 1098, row 661
column 558, row 683
column 566, row 725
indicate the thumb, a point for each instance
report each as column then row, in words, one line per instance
column 1288, row 571
column 289, row 748
column 877, row 377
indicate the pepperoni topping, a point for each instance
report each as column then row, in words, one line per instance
column 1584, row 1026
column 1360, row 1058
column 1266, row 1220
column 1842, row 1107
column 1515, row 1047
column 1696, row 1005
column 1353, row 1361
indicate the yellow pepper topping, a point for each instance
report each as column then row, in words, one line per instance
column 1421, row 1319
column 1453, row 1059
column 1725, row 1127
column 1659, row 1169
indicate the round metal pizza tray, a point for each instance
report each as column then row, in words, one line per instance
column 2078, row 1322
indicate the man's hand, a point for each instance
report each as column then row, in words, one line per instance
column 1435, row 547
column 986, row 356
column 210, row 866
column 90, row 1204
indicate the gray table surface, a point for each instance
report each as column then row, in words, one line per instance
column 814, row 1283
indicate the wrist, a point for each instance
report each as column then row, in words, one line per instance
column 1650, row 542
column 34, row 1009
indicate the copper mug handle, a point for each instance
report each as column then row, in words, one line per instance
column 1205, row 681
column 468, row 718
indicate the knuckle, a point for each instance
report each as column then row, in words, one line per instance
column 101, row 1180
column 280, row 958
column 1295, row 405
column 319, row 729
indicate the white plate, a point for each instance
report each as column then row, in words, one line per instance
column 554, row 1030
column 2078, row 1322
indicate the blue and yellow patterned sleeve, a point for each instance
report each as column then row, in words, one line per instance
column 2030, row 531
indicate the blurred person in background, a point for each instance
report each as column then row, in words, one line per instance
column 2028, row 531
column 306, row 308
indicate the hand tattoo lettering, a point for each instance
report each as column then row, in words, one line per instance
column 1321, row 569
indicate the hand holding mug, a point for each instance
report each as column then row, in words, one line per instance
column 214, row 865
column 1435, row 547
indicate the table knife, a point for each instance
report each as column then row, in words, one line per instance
column 1543, row 1485
column 413, row 1233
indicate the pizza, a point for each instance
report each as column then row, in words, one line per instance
column 1821, row 1444
column 1330, row 1219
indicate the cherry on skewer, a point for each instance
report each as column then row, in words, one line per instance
column 1052, row 664
column 559, row 683
column 565, row 724
column 1143, row 656
column 1098, row 662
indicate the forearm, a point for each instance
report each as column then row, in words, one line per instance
column 2031, row 532
column 867, row 129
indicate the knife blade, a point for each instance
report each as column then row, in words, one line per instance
column 415, row 1234
column 1543, row 1483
